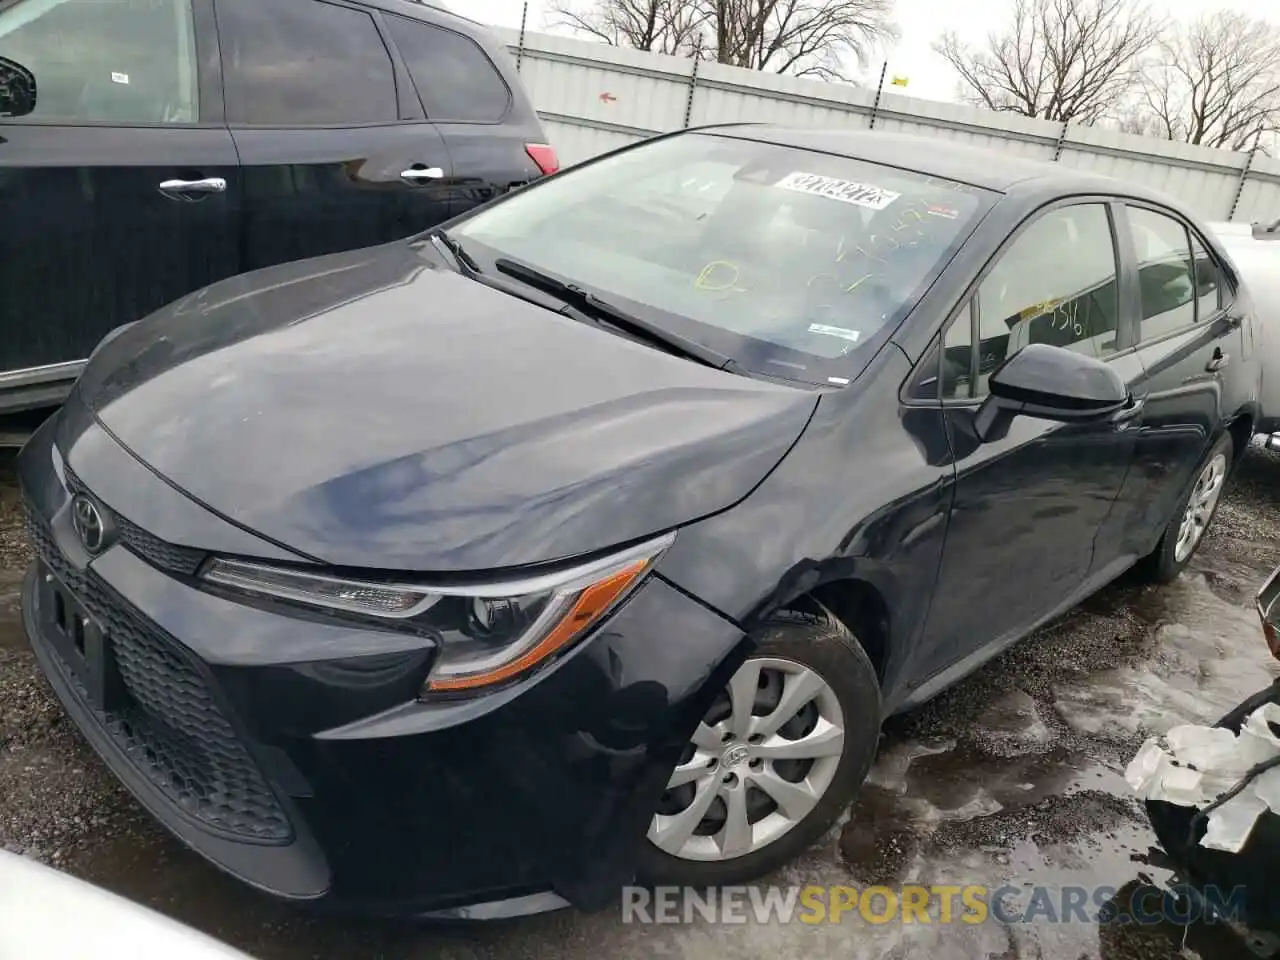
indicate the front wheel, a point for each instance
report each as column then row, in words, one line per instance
column 1191, row 520
column 775, row 760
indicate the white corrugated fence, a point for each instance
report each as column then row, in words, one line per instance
column 593, row 97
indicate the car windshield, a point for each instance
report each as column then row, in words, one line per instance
column 786, row 260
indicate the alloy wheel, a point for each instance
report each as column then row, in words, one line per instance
column 1200, row 506
column 759, row 762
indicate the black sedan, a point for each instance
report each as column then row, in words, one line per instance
column 592, row 535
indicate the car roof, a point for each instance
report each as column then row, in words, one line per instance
column 980, row 167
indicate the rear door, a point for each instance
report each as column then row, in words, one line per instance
column 1029, row 509
column 1189, row 340
column 492, row 133
column 335, row 150
column 120, row 193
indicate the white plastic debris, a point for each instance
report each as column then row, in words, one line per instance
column 1191, row 766
column 1230, row 825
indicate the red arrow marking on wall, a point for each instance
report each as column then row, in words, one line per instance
column 607, row 98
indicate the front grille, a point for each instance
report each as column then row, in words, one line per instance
column 159, row 553
column 171, row 729
column 166, row 556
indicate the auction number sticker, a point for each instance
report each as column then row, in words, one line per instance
column 846, row 191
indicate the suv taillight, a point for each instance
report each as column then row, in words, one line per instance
column 544, row 156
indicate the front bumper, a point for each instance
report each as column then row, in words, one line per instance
column 291, row 750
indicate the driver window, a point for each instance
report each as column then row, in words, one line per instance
column 1055, row 284
column 112, row 61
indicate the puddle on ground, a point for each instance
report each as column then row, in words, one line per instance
column 1206, row 655
column 1016, row 777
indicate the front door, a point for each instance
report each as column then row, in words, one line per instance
column 1028, row 508
column 1189, row 340
column 335, row 149
column 120, row 193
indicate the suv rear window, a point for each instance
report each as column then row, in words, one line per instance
column 454, row 77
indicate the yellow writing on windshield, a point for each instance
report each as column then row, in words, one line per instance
column 720, row 276
column 880, row 238
column 724, row 276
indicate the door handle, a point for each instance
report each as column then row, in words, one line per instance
column 193, row 189
column 1219, row 361
column 1129, row 412
column 421, row 174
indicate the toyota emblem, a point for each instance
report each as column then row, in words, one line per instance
column 735, row 755
column 87, row 520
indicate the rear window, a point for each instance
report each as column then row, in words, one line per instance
column 784, row 259
column 304, row 63
column 454, row 77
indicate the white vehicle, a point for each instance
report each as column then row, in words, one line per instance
column 47, row 915
column 1255, row 249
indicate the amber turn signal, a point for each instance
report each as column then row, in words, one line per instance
column 585, row 609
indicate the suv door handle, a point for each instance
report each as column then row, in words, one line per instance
column 1219, row 361
column 179, row 189
column 421, row 174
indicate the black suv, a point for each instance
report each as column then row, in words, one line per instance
column 172, row 143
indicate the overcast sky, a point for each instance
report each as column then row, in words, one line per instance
column 920, row 21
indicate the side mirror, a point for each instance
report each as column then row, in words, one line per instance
column 1266, row 231
column 17, row 89
column 1051, row 383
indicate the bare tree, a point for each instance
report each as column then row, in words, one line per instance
column 1059, row 59
column 821, row 38
column 1215, row 82
column 815, row 38
column 1135, row 117
column 660, row 26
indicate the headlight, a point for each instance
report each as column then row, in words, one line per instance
column 489, row 632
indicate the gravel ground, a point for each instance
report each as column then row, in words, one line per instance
column 56, row 795
column 1013, row 776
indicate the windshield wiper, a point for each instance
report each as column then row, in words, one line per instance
column 601, row 309
column 469, row 268
column 457, row 251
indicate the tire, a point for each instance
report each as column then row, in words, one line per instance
column 1169, row 557
column 792, row 649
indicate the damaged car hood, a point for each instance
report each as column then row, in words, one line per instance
column 371, row 410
